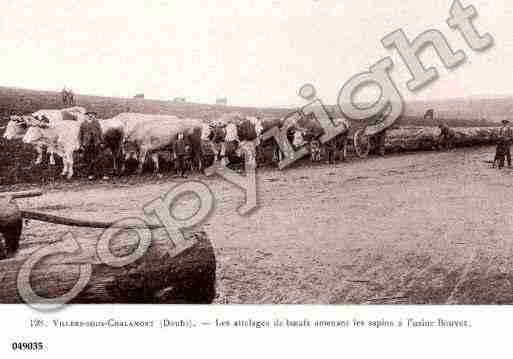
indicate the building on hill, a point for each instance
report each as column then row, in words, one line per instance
column 139, row 95
column 179, row 100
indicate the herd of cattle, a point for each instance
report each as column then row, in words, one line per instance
column 142, row 136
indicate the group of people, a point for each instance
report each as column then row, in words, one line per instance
column 95, row 146
column 94, row 154
column 503, row 147
column 68, row 98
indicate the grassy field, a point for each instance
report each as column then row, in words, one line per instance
column 16, row 158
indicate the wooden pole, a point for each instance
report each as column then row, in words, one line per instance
column 45, row 217
column 22, row 194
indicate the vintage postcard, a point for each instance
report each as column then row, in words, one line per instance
column 334, row 168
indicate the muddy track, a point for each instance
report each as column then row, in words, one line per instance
column 413, row 228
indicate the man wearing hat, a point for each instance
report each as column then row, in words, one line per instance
column 179, row 149
column 445, row 140
column 505, row 138
column 91, row 139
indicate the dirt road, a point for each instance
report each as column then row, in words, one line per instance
column 413, row 228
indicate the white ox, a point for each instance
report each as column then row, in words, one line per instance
column 117, row 129
column 159, row 132
column 18, row 126
column 58, row 131
column 129, row 120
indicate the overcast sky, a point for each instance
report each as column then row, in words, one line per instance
column 253, row 52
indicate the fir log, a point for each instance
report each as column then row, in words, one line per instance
column 426, row 138
column 158, row 276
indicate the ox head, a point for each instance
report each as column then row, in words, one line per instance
column 16, row 128
column 40, row 121
column 36, row 128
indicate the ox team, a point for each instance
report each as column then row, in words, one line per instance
column 188, row 143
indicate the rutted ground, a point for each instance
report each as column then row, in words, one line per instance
column 417, row 228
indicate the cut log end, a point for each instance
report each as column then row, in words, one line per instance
column 188, row 278
column 11, row 224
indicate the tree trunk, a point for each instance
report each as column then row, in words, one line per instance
column 66, row 269
column 426, row 138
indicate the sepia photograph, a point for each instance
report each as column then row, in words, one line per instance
column 313, row 152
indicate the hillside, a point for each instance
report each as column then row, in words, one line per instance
column 458, row 112
column 21, row 100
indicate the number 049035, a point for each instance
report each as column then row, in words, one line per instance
column 27, row 346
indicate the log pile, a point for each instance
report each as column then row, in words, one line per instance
column 426, row 138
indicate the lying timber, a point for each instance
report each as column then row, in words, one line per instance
column 187, row 278
column 426, row 138
column 70, row 272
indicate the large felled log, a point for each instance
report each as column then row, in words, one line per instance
column 422, row 138
column 68, row 271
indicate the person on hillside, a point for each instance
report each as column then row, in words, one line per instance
column 64, row 94
column 91, row 145
column 180, row 151
column 71, row 98
column 505, row 140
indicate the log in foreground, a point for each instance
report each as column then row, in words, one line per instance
column 10, row 227
column 426, row 138
column 70, row 272
column 187, row 278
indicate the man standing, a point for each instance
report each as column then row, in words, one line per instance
column 180, row 152
column 91, row 140
column 378, row 142
column 64, row 94
column 445, row 141
column 506, row 137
